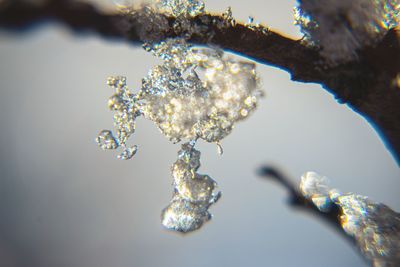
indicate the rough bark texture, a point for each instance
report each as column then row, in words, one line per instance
column 369, row 85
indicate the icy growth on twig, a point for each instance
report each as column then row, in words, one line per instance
column 342, row 27
column 228, row 18
column 256, row 26
column 193, row 193
column 179, row 8
column 126, row 108
column 374, row 226
column 153, row 24
column 185, row 107
column 315, row 188
column 152, row 16
column 196, row 93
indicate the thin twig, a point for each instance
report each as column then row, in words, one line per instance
column 297, row 200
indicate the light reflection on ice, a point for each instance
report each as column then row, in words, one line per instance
column 374, row 226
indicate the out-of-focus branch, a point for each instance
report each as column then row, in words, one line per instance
column 19, row 15
column 297, row 200
column 369, row 85
column 373, row 227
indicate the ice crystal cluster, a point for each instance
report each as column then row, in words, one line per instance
column 341, row 27
column 152, row 16
column 196, row 93
column 374, row 226
column 193, row 193
column 180, row 8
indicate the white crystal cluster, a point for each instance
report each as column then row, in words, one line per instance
column 152, row 16
column 126, row 107
column 256, row 26
column 341, row 27
column 374, row 226
column 196, row 93
column 193, row 193
column 186, row 107
column 180, row 8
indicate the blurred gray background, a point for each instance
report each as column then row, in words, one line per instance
column 66, row 203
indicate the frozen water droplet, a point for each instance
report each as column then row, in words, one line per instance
column 184, row 216
column 106, row 140
column 193, row 193
column 128, row 153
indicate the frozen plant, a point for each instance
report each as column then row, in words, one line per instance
column 374, row 226
column 341, row 27
column 186, row 108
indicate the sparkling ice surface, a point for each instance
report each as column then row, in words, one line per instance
column 193, row 193
column 186, row 107
column 340, row 27
column 195, row 93
column 124, row 104
column 178, row 8
column 374, row 226
column 315, row 188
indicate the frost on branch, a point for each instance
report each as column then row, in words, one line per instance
column 186, row 107
column 153, row 16
column 342, row 27
column 180, row 8
column 374, row 226
column 196, row 93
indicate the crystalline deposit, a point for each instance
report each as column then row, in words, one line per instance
column 193, row 193
column 196, row 93
column 153, row 18
column 178, row 8
column 374, row 226
column 339, row 28
column 315, row 188
column 186, row 107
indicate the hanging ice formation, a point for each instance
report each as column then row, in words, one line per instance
column 185, row 108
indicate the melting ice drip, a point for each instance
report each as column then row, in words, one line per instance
column 374, row 226
column 185, row 107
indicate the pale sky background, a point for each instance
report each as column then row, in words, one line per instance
column 66, row 203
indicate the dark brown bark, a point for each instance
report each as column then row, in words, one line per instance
column 368, row 85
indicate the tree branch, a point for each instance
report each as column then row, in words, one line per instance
column 369, row 85
column 298, row 201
